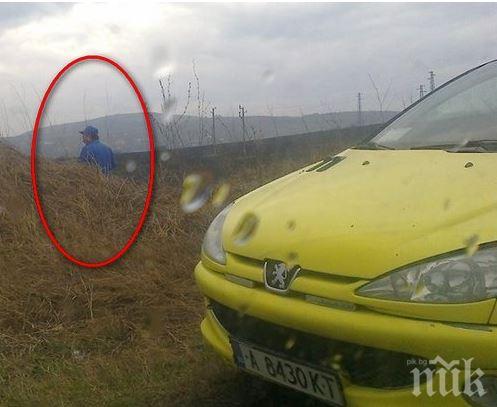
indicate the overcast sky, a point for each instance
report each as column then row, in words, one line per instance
column 284, row 59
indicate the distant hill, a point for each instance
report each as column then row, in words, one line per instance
column 126, row 133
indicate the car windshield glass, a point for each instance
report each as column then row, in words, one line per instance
column 462, row 111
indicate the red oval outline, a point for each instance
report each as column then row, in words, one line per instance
column 151, row 174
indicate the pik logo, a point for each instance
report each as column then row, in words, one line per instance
column 462, row 379
column 278, row 277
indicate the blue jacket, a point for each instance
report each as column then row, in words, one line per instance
column 100, row 154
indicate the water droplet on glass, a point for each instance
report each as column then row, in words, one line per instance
column 160, row 61
column 221, row 194
column 131, row 166
column 290, row 342
column 114, row 29
column 336, row 361
column 420, row 290
column 462, row 144
column 158, row 54
column 471, row 245
column 165, row 156
column 168, row 110
column 407, row 180
column 242, row 310
column 268, row 76
column 196, row 192
column 77, row 354
column 358, row 354
column 164, row 70
column 292, row 259
column 246, row 229
column 291, row 225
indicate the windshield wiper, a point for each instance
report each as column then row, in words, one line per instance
column 481, row 146
column 434, row 147
column 371, row 145
column 470, row 146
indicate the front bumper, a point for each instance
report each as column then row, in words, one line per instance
column 362, row 327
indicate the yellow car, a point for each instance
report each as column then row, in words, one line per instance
column 370, row 278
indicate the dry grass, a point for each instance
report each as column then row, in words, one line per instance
column 58, row 320
column 125, row 335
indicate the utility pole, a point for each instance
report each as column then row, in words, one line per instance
column 432, row 81
column 241, row 114
column 213, row 128
column 359, row 109
column 421, row 91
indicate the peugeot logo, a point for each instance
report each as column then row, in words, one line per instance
column 277, row 275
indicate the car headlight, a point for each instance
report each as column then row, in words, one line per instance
column 213, row 244
column 456, row 278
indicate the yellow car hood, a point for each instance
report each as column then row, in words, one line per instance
column 372, row 212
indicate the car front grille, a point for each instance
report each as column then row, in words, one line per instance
column 362, row 365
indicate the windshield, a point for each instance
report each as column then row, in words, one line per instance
column 457, row 114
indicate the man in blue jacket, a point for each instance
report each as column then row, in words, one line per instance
column 94, row 152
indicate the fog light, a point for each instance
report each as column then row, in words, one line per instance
column 489, row 399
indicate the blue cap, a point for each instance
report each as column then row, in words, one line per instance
column 90, row 131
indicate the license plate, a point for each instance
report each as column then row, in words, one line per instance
column 314, row 381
